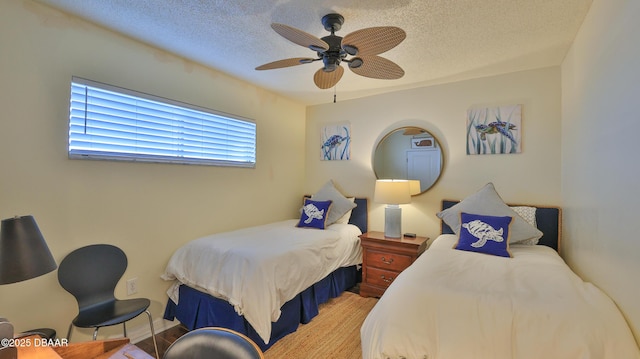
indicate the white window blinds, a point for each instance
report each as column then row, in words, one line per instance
column 107, row 122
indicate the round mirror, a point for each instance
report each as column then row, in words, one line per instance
column 409, row 153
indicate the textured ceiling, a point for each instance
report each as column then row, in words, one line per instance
column 447, row 40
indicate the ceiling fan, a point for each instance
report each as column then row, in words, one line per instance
column 363, row 46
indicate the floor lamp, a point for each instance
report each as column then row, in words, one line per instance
column 392, row 192
column 24, row 255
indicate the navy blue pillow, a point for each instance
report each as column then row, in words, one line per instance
column 484, row 234
column 314, row 214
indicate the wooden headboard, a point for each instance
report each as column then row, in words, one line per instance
column 548, row 219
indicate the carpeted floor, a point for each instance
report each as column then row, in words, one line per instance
column 334, row 333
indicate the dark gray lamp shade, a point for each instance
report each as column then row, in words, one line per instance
column 23, row 252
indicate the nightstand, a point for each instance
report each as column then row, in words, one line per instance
column 384, row 258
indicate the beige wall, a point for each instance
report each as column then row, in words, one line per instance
column 147, row 209
column 530, row 177
column 600, row 118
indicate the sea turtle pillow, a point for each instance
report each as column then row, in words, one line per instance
column 314, row 214
column 487, row 201
column 484, row 234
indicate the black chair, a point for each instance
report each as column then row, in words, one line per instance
column 213, row 342
column 91, row 274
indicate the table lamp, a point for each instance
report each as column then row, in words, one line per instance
column 23, row 255
column 393, row 192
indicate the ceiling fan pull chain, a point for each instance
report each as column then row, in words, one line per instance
column 334, row 94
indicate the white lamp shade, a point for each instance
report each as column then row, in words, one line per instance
column 392, row 192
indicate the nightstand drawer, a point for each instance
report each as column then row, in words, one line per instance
column 380, row 277
column 387, row 260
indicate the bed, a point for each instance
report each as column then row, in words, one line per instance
column 452, row 304
column 264, row 281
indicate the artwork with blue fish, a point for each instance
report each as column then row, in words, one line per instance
column 336, row 141
column 494, row 130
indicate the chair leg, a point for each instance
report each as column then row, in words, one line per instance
column 69, row 332
column 95, row 333
column 153, row 333
column 124, row 328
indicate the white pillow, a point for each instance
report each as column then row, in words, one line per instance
column 529, row 215
column 345, row 219
column 488, row 202
column 340, row 204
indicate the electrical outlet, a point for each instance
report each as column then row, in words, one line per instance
column 132, row 286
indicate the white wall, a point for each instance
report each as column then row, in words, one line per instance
column 530, row 177
column 600, row 145
column 147, row 209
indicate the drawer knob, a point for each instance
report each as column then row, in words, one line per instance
column 385, row 279
column 385, row 261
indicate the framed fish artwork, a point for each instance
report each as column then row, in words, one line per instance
column 494, row 130
column 336, row 141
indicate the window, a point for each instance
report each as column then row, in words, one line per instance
column 107, row 122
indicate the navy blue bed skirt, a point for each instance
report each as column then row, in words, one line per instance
column 197, row 309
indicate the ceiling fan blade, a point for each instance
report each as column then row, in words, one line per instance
column 373, row 40
column 325, row 80
column 300, row 37
column 285, row 63
column 378, row 68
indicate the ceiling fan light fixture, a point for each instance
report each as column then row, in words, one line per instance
column 330, row 68
column 330, row 63
column 355, row 63
column 350, row 49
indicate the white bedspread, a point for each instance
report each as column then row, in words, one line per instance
column 452, row 304
column 258, row 269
